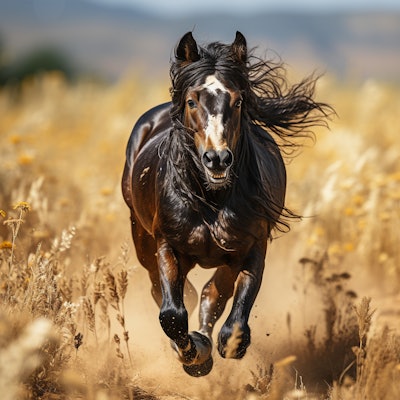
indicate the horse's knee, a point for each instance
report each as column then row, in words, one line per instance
column 233, row 340
column 174, row 322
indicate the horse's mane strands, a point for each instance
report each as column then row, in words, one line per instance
column 288, row 111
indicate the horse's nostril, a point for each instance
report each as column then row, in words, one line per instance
column 211, row 159
column 226, row 158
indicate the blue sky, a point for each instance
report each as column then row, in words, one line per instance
column 165, row 7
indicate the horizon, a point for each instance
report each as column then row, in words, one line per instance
column 182, row 8
column 111, row 41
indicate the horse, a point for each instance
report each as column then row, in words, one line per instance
column 205, row 182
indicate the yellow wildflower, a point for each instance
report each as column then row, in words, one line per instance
column 15, row 139
column 348, row 246
column 25, row 159
column 106, row 191
column 6, row 245
column 358, row 200
column 395, row 176
column 3, row 213
column 22, row 205
column 349, row 211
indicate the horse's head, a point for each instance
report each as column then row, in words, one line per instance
column 211, row 103
column 212, row 112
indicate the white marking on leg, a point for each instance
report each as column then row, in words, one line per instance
column 234, row 341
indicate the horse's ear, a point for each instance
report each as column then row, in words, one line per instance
column 187, row 49
column 239, row 47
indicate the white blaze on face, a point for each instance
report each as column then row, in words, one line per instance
column 215, row 128
column 212, row 84
column 214, row 131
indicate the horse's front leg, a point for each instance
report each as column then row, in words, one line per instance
column 234, row 337
column 193, row 349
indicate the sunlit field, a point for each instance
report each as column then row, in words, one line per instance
column 77, row 320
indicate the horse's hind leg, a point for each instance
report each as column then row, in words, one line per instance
column 214, row 297
column 190, row 297
column 146, row 249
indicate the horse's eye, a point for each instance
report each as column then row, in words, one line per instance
column 238, row 103
column 191, row 104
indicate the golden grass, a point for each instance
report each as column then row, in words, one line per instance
column 65, row 264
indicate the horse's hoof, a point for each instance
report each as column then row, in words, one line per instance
column 203, row 347
column 233, row 341
column 198, row 370
column 197, row 352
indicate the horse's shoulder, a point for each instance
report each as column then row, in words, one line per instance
column 150, row 123
column 153, row 115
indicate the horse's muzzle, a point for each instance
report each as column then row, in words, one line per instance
column 217, row 164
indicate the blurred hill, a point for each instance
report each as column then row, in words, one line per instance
column 113, row 41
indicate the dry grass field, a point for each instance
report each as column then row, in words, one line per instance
column 76, row 316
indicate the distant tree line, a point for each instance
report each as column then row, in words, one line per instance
column 34, row 62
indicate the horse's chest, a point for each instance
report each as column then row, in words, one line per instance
column 203, row 236
column 213, row 244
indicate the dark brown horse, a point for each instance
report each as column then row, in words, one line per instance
column 205, row 183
